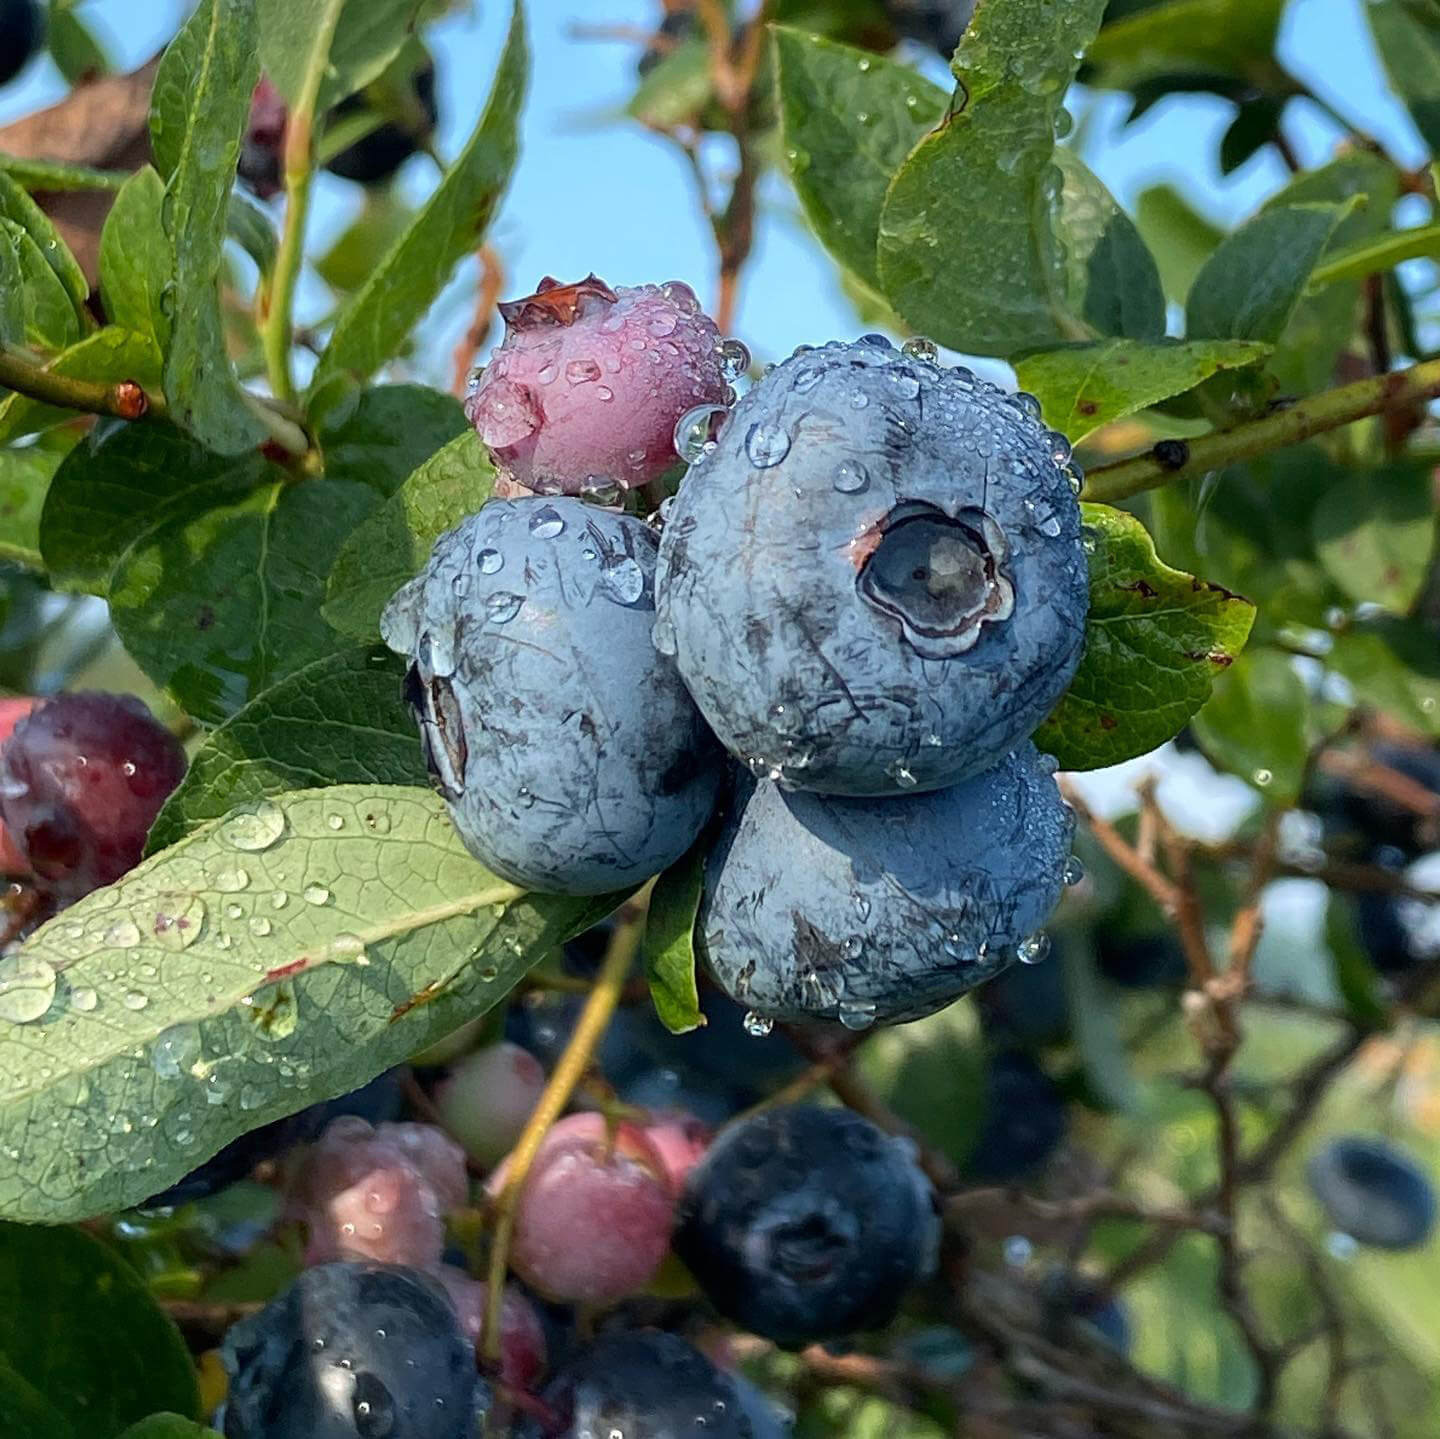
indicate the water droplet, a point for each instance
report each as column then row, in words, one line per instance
column 175, row 1051
column 851, row 477
column 1076, row 477
column 524, row 798
column 279, row 899
column 757, row 1026
column 503, row 607
column 662, row 636
column 733, row 356
column 697, row 430
column 230, row 881
column 901, row 773
column 1059, row 448
column 1018, row 1250
column 917, row 347
column 490, row 561
column 767, row 444
column 862, row 906
column 84, row 999
column 581, row 372
column 178, row 924
column 906, row 386
column 134, row 999
column 1262, row 777
column 1050, row 526
column 256, row 828
column 856, row 1013
column 1033, row 948
column 1074, row 870
column 346, row 948
column 546, row 523
column 123, row 934
column 624, row 579
column 233, row 911
column 260, row 926
column 27, row 987
column 879, row 341
column 852, row 947
column 1026, row 403
column 858, row 399
column 681, row 296
column 597, row 490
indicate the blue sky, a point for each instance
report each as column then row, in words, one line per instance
column 594, row 192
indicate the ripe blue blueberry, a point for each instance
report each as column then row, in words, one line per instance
column 1023, row 1120
column 804, row 1223
column 1373, row 1191
column 352, row 1351
column 567, row 748
column 644, row 1384
column 875, row 581
column 820, row 906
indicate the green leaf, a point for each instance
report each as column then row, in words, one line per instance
column 1392, row 665
column 1154, row 642
column 251, row 228
column 1378, row 252
column 50, row 321
column 339, row 720
column 111, row 354
column 199, row 110
column 134, row 264
column 1250, row 286
column 1180, row 238
column 848, row 120
column 670, row 943
column 1081, row 387
column 677, row 89
column 387, row 433
column 349, row 261
column 24, row 478
column 167, row 1426
column 14, row 306
column 374, row 323
column 124, row 484
column 24, row 1410
column 1375, row 534
column 1408, row 38
column 394, row 543
column 16, row 205
column 1256, row 124
column 1189, row 38
column 76, row 52
column 1255, row 724
column 208, row 1006
column 1355, row 977
column 51, row 175
column 60, row 1290
column 368, row 37
column 991, row 239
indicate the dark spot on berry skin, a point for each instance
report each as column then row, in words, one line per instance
column 1171, row 454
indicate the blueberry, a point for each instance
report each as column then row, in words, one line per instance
column 1070, row 1295
column 643, row 1384
column 374, row 158
column 20, row 31
column 1373, row 1191
column 875, row 582
column 1377, row 820
column 352, row 1351
column 804, row 1223
column 1399, row 933
column 1023, row 1121
column 818, row 906
column 567, row 748
column 1139, row 961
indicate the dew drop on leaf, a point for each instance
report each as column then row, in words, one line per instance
column 123, row 934
column 316, row 894
column 134, row 999
column 256, row 828
column 27, row 988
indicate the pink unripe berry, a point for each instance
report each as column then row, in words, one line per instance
column 585, row 390
column 381, row 1193
column 486, row 1098
column 681, row 1141
column 522, row 1336
column 12, row 858
column 595, row 1212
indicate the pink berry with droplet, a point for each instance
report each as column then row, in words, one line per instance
column 486, row 1098
column 595, row 1212
column 585, row 391
column 380, row 1193
column 82, row 778
column 522, row 1335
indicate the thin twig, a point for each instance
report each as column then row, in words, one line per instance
column 124, row 399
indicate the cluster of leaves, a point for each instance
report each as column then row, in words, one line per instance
column 246, row 542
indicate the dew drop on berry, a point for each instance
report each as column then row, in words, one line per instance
column 767, row 444
column 581, row 372
column 917, row 347
column 734, row 358
column 503, row 607
column 850, row 477
column 662, row 636
column 696, row 431
column 880, row 342
column 1059, row 448
column 856, row 1013
column 1074, row 870
column 1033, row 948
column 624, row 579
column 757, row 1026
column 489, row 561
column 546, row 524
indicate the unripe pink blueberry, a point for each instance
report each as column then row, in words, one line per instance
column 595, row 1212
column 380, row 1193
column 522, row 1335
column 585, row 390
column 486, row 1098
column 681, row 1141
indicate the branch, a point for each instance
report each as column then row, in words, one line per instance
column 124, row 399
column 1313, row 415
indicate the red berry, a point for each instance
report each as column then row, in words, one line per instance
column 487, row 1097
column 681, row 1141
column 522, row 1336
column 587, row 387
column 12, row 711
column 82, row 778
column 594, row 1217
column 380, row 1193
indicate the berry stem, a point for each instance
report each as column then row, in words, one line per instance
column 589, row 1030
column 1313, row 415
column 299, row 170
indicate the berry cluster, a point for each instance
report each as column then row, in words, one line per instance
column 867, row 593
